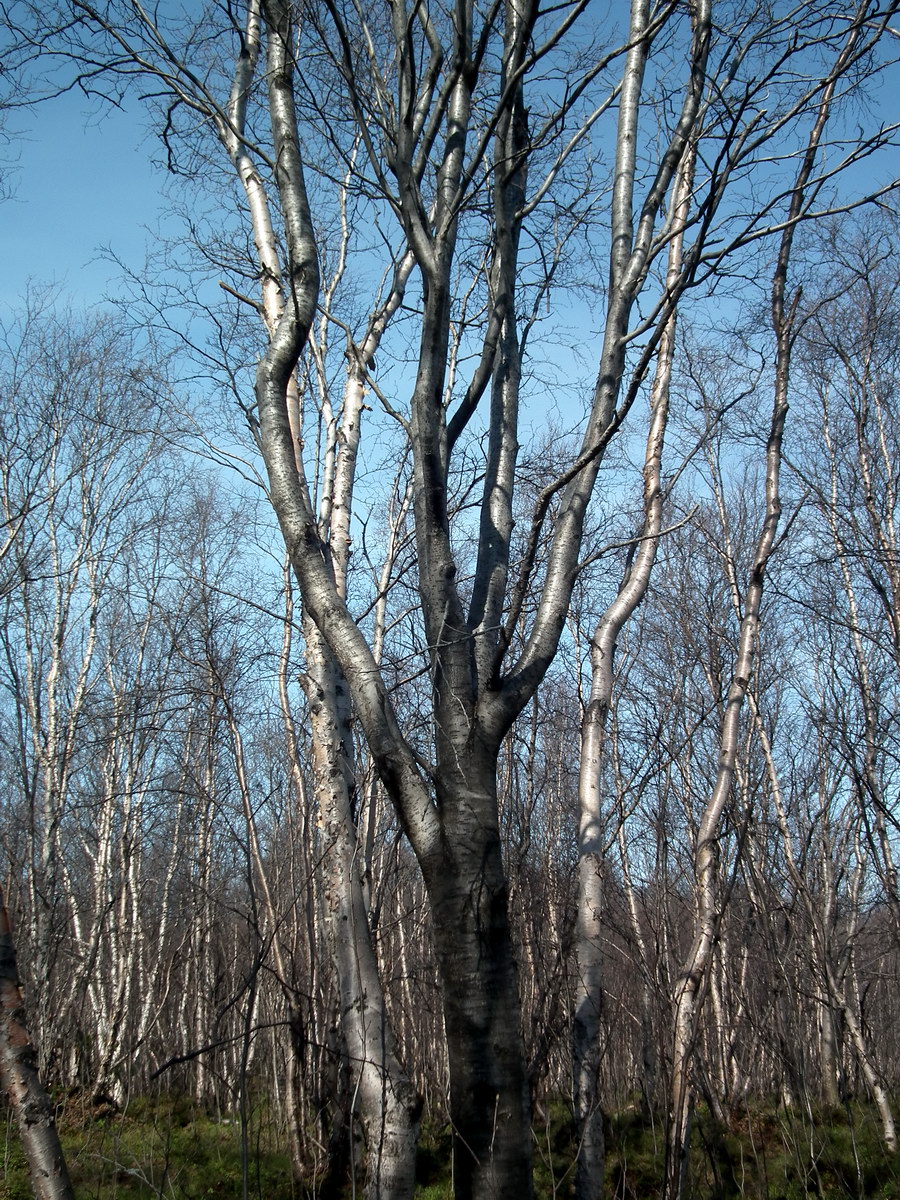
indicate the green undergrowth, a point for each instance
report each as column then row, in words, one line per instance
column 165, row 1149
column 169, row 1150
column 760, row 1154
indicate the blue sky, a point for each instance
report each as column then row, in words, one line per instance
column 79, row 184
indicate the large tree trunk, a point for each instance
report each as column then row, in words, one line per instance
column 20, row 1080
column 489, row 1100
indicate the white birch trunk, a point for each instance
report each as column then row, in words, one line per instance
column 19, row 1079
column 591, row 829
column 692, row 976
column 388, row 1106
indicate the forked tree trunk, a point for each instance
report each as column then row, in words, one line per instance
column 19, row 1078
column 385, row 1100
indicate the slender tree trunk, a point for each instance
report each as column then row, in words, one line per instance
column 830, row 1050
column 387, row 1103
column 586, row 1047
column 692, row 977
column 19, row 1078
column 870, row 1074
column 835, row 1006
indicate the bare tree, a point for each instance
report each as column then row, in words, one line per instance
column 848, row 354
column 693, row 971
column 470, row 146
column 589, row 989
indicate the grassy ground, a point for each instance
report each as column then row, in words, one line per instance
column 166, row 1149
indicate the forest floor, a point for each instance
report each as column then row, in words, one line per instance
column 167, row 1150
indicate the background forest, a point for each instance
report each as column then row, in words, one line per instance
column 527, row 791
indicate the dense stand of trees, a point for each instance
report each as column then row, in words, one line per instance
column 163, row 842
column 528, row 763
